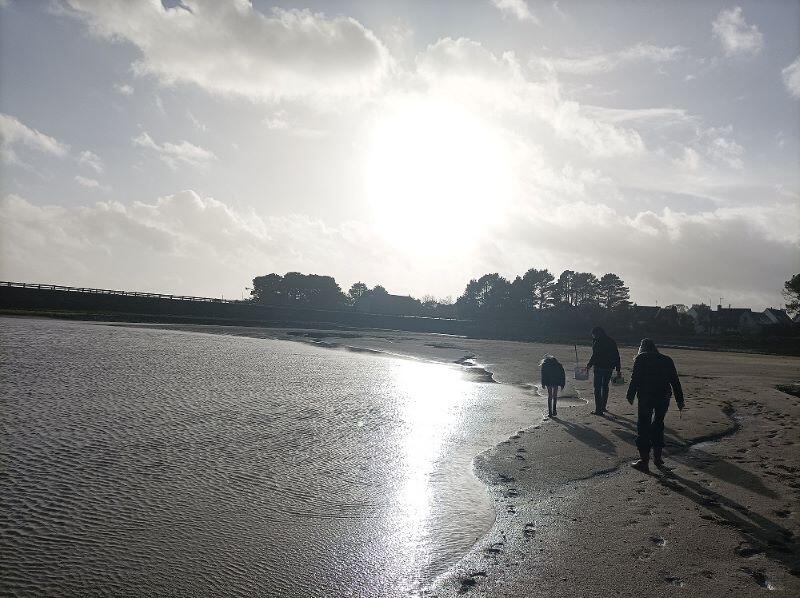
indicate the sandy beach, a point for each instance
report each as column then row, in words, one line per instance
column 573, row 519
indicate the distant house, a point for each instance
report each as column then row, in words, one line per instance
column 701, row 315
column 752, row 322
column 778, row 316
column 643, row 314
column 386, row 304
column 737, row 320
column 728, row 320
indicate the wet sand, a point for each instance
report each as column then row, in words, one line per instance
column 573, row 519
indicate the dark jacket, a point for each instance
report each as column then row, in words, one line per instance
column 553, row 373
column 604, row 353
column 655, row 377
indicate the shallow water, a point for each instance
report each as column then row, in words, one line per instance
column 143, row 461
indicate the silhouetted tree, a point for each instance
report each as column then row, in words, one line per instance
column 357, row 291
column 585, row 288
column 268, row 289
column 791, row 290
column 379, row 290
column 564, row 288
column 612, row 292
column 484, row 296
column 539, row 286
column 298, row 290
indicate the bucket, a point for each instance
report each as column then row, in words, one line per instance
column 581, row 373
column 619, row 379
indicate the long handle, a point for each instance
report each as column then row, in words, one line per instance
column 576, row 355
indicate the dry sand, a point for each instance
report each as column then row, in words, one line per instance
column 573, row 519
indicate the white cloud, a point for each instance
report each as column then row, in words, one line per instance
column 668, row 255
column 180, row 243
column 727, row 151
column 90, row 183
column 91, row 160
column 594, row 64
column 196, row 122
column 518, row 9
column 791, row 78
column 174, row 154
column 277, row 121
column 123, row 89
column 228, row 47
column 466, row 72
column 13, row 133
column 735, row 35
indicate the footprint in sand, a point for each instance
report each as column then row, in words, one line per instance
column 744, row 550
column 658, row 541
column 529, row 530
column 494, row 549
column 760, row 576
column 674, row 581
column 470, row 581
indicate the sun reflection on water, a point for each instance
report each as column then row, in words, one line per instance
column 430, row 395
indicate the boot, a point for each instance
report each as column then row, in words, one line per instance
column 657, row 458
column 643, row 464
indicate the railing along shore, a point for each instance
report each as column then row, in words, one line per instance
column 56, row 287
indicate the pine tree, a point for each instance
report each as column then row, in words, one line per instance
column 613, row 292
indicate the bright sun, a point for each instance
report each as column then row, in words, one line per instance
column 437, row 176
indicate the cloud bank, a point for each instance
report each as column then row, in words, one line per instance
column 193, row 244
column 232, row 48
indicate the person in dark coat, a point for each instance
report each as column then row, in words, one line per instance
column 653, row 380
column 553, row 377
column 605, row 358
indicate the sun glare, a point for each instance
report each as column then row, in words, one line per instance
column 437, row 176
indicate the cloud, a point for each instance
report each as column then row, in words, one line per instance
column 667, row 255
column 90, row 183
column 91, row 160
column 595, row 64
column 727, row 152
column 277, row 121
column 123, row 89
column 518, row 9
column 13, row 133
column 466, row 72
column 181, row 243
column 196, row 122
column 791, row 78
column 735, row 35
column 175, row 154
column 230, row 48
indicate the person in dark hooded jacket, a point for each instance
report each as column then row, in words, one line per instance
column 553, row 377
column 605, row 357
column 653, row 380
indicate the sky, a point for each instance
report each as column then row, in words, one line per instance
column 186, row 147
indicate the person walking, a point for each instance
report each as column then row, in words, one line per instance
column 653, row 380
column 605, row 358
column 553, row 377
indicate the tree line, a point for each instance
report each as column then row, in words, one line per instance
column 494, row 296
column 488, row 297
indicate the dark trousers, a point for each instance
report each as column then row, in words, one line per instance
column 651, row 423
column 602, row 377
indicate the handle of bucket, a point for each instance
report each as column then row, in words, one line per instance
column 576, row 355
